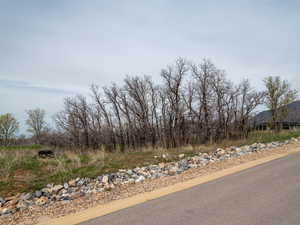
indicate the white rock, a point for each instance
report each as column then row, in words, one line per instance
column 140, row 179
column 173, row 171
column 105, row 179
column 57, row 188
column 66, row 186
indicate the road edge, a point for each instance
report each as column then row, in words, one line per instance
column 117, row 205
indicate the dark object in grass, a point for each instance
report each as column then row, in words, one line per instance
column 46, row 154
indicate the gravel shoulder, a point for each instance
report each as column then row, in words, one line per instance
column 38, row 214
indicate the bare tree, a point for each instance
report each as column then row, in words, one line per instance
column 203, row 74
column 102, row 114
column 278, row 95
column 75, row 120
column 248, row 102
column 8, row 128
column 36, row 123
column 174, row 110
column 195, row 104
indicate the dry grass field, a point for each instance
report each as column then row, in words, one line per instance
column 22, row 170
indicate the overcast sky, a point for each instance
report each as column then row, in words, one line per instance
column 53, row 49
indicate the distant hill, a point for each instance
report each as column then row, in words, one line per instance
column 292, row 116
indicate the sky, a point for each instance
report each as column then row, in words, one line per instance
column 53, row 49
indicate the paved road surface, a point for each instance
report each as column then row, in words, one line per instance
column 268, row 194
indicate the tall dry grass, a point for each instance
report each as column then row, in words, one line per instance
column 68, row 164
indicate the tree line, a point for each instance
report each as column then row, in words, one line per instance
column 194, row 104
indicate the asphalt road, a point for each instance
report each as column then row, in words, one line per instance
column 268, row 194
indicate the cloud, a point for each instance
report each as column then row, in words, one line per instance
column 25, row 86
column 19, row 96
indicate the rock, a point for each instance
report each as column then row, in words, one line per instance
column 111, row 178
column 238, row 149
column 196, row 159
column 64, row 191
column 2, row 201
column 275, row 144
column 46, row 190
column 205, row 156
column 26, row 196
column 65, row 197
column 140, row 179
column 248, row 148
column 136, row 170
column 262, row 146
column 193, row 165
column 42, row 201
column 66, row 186
column 72, row 183
column 50, row 186
column 183, row 164
column 7, row 210
column 220, row 152
column 13, row 202
column 173, row 171
column 118, row 181
column 105, row 179
column 129, row 172
column 22, row 205
column 254, row 145
column 10, row 198
column 80, row 182
column 37, row 194
column 161, row 165
column 181, row 156
column 57, row 188
column 131, row 181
